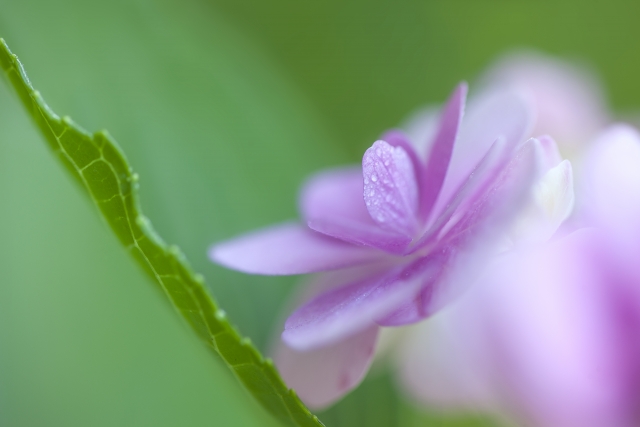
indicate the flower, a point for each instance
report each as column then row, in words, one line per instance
column 568, row 98
column 395, row 233
column 550, row 333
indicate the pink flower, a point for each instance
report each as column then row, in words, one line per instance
column 395, row 231
column 550, row 334
column 568, row 98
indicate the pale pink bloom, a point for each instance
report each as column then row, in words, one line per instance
column 396, row 231
column 549, row 335
column 568, row 98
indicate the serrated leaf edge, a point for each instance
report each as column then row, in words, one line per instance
column 165, row 264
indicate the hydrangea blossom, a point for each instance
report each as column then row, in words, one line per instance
column 395, row 233
column 549, row 334
column 568, row 98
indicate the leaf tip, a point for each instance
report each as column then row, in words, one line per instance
column 175, row 251
column 143, row 221
column 5, row 46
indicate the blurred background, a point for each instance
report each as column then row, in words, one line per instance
column 223, row 107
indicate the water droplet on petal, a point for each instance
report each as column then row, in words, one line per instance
column 374, row 177
column 372, row 193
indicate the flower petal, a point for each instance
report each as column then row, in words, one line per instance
column 613, row 182
column 551, row 203
column 505, row 114
column 499, row 198
column 390, row 188
column 478, row 227
column 541, row 335
column 494, row 161
column 335, row 195
column 397, row 138
column 322, row 376
column 550, row 150
column 332, row 203
column 346, row 310
column 362, row 234
column 438, row 365
column 288, row 249
column 482, row 214
column 421, row 128
column 441, row 150
column 412, row 311
column 569, row 100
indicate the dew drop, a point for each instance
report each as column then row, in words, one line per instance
column 374, row 177
column 372, row 193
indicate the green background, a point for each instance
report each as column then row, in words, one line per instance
column 222, row 106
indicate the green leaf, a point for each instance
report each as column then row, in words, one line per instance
column 100, row 167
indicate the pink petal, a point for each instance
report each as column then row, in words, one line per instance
column 335, row 195
column 390, row 188
column 499, row 114
column 483, row 210
column 362, row 234
column 346, row 310
column 613, row 182
column 500, row 198
column 412, row 311
column 494, row 161
column 332, row 203
column 534, row 333
column 559, row 328
column 547, row 325
column 552, row 156
column 441, row 150
column 322, row 376
column 550, row 204
column 437, row 366
column 397, row 138
column 421, row 128
column 288, row 249
column 569, row 100
column 476, row 231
